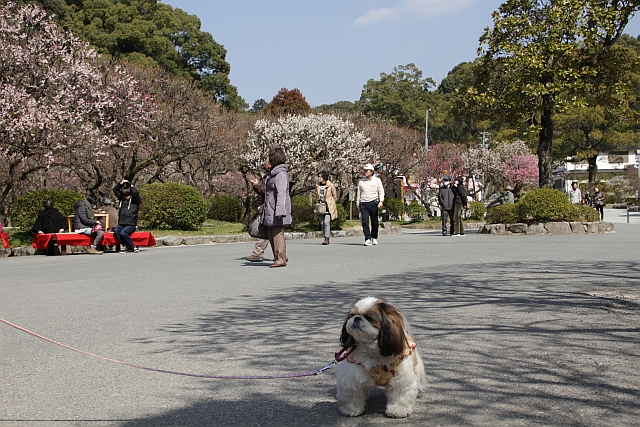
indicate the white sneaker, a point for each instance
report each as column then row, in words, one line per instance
column 374, row 241
column 367, row 242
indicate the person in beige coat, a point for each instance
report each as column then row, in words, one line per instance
column 326, row 194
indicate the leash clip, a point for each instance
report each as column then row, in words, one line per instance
column 327, row 367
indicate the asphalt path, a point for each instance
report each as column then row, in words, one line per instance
column 514, row 330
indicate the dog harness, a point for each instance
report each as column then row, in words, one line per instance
column 382, row 374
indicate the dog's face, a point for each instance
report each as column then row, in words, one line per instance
column 370, row 320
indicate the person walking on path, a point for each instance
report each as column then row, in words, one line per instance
column 276, row 213
column 326, row 195
column 445, row 200
column 575, row 195
column 261, row 244
column 459, row 203
column 599, row 202
column 370, row 198
column 84, row 222
column 128, row 214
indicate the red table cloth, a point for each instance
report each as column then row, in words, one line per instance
column 41, row 241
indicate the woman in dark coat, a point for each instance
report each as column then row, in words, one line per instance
column 276, row 213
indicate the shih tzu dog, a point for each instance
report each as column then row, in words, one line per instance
column 378, row 351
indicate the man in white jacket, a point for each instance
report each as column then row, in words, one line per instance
column 370, row 197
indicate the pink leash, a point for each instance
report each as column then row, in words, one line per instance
column 339, row 357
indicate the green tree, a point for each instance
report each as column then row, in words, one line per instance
column 150, row 33
column 606, row 120
column 288, row 102
column 401, row 97
column 258, row 106
column 538, row 56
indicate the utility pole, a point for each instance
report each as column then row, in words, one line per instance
column 484, row 137
column 426, row 133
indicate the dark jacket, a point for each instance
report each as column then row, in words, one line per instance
column 459, row 195
column 445, row 198
column 50, row 221
column 128, row 214
column 276, row 198
column 84, row 215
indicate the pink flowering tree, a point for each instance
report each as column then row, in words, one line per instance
column 503, row 164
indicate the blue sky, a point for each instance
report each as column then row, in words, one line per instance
column 329, row 49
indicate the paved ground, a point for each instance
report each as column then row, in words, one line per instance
column 514, row 330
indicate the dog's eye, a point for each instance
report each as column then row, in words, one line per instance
column 368, row 318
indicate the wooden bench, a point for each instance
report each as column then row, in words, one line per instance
column 42, row 241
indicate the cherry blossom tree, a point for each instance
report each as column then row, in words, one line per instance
column 503, row 164
column 55, row 99
column 312, row 143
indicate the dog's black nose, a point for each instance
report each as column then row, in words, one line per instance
column 357, row 319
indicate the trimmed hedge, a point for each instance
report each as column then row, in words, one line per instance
column 582, row 213
column 172, row 206
column 394, row 207
column 478, row 210
column 542, row 205
column 301, row 210
column 502, row 214
column 415, row 211
column 24, row 210
column 226, row 208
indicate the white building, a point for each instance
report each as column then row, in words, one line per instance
column 614, row 163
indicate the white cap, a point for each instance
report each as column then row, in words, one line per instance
column 368, row 166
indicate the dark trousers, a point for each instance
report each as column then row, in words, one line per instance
column 445, row 214
column 458, row 225
column 369, row 210
column 123, row 233
column 600, row 208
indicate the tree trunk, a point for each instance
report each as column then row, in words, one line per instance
column 545, row 143
column 593, row 170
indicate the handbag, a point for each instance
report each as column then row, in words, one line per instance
column 96, row 228
column 257, row 229
column 320, row 209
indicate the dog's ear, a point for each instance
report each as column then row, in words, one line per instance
column 346, row 340
column 391, row 336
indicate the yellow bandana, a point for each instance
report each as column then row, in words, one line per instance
column 382, row 374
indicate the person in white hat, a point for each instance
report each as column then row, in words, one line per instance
column 508, row 198
column 370, row 197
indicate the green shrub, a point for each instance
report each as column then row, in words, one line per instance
column 581, row 213
column 543, row 204
column 226, row 208
column 24, row 210
column 336, row 223
column 415, row 211
column 610, row 199
column 477, row 211
column 394, row 207
column 301, row 210
column 172, row 206
column 502, row 214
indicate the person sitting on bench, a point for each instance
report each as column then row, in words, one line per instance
column 50, row 220
column 84, row 222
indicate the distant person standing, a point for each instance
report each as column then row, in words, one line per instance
column 128, row 214
column 276, row 212
column 445, row 200
column 259, row 186
column 370, row 198
column 575, row 195
column 459, row 203
column 326, row 195
column 599, row 201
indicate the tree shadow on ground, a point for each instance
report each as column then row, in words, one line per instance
column 508, row 344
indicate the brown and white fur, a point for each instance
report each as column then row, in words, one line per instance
column 378, row 330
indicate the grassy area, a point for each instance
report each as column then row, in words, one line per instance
column 210, row 228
